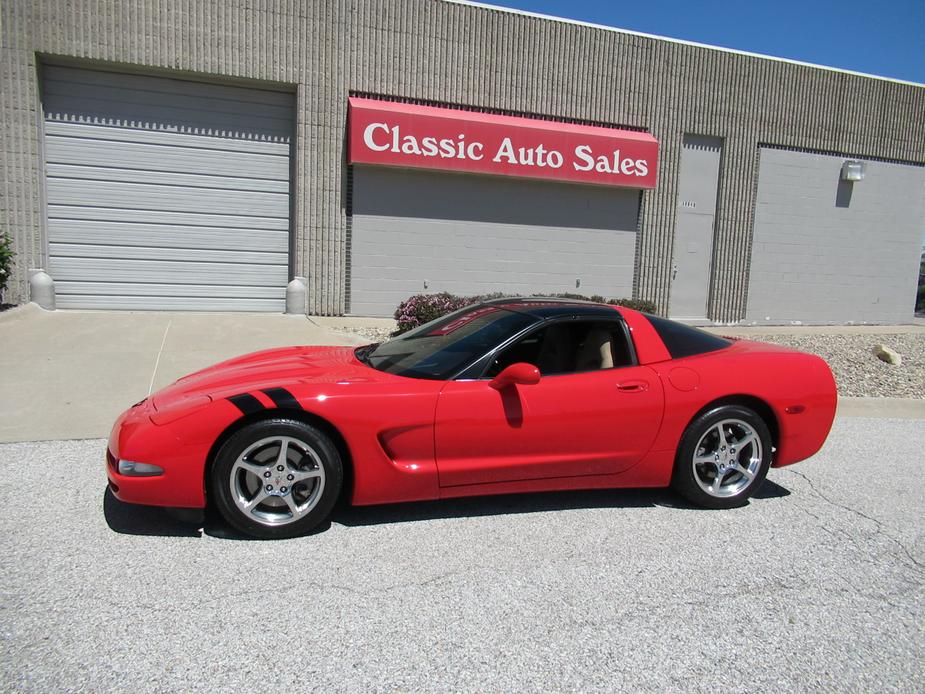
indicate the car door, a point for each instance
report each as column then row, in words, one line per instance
column 575, row 421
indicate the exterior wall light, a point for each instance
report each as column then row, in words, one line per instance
column 853, row 170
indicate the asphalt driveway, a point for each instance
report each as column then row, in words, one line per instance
column 818, row 583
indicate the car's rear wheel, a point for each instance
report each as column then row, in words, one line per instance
column 276, row 478
column 723, row 457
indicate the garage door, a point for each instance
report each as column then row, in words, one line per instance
column 829, row 251
column 423, row 232
column 166, row 194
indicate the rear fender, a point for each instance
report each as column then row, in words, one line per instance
column 797, row 388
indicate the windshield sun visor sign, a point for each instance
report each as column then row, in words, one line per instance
column 396, row 134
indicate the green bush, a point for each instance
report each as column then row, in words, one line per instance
column 423, row 308
column 6, row 260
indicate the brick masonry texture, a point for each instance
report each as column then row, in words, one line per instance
column 444, row 52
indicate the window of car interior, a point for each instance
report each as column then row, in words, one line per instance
column 566, row 347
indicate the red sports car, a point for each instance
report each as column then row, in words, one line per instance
column 505, row 396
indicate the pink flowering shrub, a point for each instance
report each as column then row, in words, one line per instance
column 6, row 260
column 423, row 308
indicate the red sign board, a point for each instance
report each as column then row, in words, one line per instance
column 395, row 134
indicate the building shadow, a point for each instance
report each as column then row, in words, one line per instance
column 843, row 193
column 131, row 519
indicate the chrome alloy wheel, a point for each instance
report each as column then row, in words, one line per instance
column 727, row 458
column 277, row 480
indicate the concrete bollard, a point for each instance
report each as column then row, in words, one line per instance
column 42, row 289
column 296, row 296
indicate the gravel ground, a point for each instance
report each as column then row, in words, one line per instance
column 818, row 584
column 857, row 371
column 371, row 334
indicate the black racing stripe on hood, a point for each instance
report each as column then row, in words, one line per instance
column 282, row 398
column 247, row 403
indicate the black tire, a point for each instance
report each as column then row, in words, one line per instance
column 722, row 477
column 250, row 458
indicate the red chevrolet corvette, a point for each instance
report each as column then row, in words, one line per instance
column 505, row 396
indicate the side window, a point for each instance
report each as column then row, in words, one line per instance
column 568, row 347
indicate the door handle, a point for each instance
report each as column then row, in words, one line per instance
column 633, row 386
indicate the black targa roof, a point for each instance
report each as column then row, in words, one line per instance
column 545, row 307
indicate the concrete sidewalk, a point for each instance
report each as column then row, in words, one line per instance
column 68, row 374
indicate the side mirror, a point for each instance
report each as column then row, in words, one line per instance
column 520, row 373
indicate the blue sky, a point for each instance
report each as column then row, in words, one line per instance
column 881, row 38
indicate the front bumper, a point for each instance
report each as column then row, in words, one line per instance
column 135, row 437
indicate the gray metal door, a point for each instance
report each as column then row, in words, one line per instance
column 820, row 255
column 423, row 232
column 693, row 242
column 166, row 194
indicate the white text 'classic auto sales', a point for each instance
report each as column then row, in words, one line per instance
column 381, row 137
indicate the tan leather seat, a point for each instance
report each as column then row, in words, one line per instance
column 596, row 352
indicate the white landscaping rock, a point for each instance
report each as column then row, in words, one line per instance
column 884, row 353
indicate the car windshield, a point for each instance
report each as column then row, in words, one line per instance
column 440, row 349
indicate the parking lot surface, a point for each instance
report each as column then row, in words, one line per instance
column 818, row 583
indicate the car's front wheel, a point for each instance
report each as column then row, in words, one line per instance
column 723, row 457
column 276, row 478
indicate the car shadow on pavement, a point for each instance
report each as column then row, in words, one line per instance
column 502, row 505
column 131, row 519
column 770, row 490
column 537, row 502
column 160, row 521
column 215, row 526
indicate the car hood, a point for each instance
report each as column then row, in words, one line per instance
column 286, row 366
